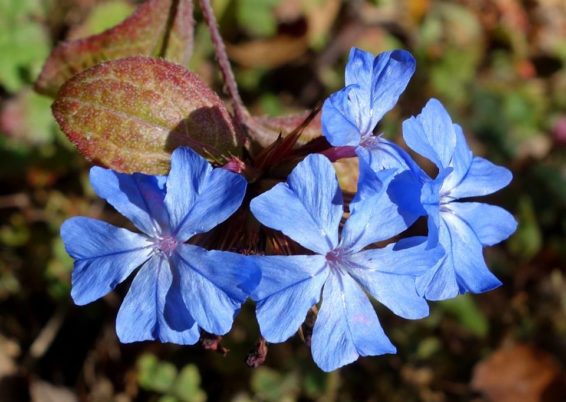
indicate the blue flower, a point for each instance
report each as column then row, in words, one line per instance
column 179, row 287
column 308, row 209
column 462, row 228
column 373, row 86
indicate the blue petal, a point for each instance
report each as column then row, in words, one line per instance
column 392, row 71
column 289, row 287
column 382, row 154
column 214, row 284
column 152, row 309
column 307, row 208
column 463, row 269
column 490, row 223
column 374, row 215
column 383, row 84
column 397, row 292
column 389, row 274
column 382, row 80
column 346, row 114
column 482, row 178
column 431, row 134
column 433, row 222
column 439, row 283
column 339, row 125
column 359, row 69
column 430, row 200
column 198, row 197
column 411, row 256
column 373, row 86
column 104, row 256
column 137, row 196
column 346, row 326
column 460, row 162
column 377, row 154
column 370, row 183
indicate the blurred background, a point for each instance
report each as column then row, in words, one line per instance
column 498, row 66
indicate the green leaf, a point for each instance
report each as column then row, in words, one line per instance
column 154, row 375
column 102, row 17
column 528, row 240
column 23, row 43
column 168, row 398
column 187, row 385
column 130, row 114
column 160, row 28
column 465, row 310
column 271, row 386
column 257, row 17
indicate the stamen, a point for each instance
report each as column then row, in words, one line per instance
column 167, row 244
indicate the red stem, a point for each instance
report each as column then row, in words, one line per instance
column 336, row 153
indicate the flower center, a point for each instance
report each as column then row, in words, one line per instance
column 166, row 244
column 335, row 259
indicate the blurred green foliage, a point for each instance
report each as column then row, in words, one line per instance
column 499, row 66
column 163, row 378
column 256, row 17
column 24, row 43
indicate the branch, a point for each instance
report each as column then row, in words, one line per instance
column 226, row 70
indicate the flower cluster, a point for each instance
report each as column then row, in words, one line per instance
column 183, row 288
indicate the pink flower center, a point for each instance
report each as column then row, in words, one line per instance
column 334, row 256
column 167, row 244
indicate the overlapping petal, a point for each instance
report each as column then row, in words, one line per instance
column 289, row 287
column 214, row 285
column 104, row 256
column 339, row 124
column 152, row 309
column 359, row 69
column 388, row 274
column 374, row 215
column 139, row 197
column 460, row 162
column 346, row 326
column 439, row 283
column 199, row 197
column 463, row 269
column 431, row 134
column 307, row 208
column 381, row 154
column 382, row 79
column 392, row 72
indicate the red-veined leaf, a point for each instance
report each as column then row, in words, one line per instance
column 129, row 115
column 160, row 28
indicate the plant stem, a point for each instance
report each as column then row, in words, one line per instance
column 230, row 85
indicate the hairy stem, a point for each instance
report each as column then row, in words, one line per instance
column 230, row 85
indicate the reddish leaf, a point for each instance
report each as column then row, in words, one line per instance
column 282, row 147
column 266, row 129
column 160, row 28
column 520, row 373
column 129, row 114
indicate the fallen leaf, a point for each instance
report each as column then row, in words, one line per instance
column 268, row 53
column 520, row 373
